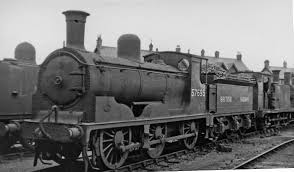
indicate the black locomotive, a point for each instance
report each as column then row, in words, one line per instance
column 113, row 106
column 18, row 78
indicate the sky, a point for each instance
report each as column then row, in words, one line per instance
column 259, row 29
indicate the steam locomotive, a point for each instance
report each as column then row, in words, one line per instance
column 18, row 78
column 114, row 106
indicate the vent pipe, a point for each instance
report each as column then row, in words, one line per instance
column 216, row 54
column 202, row 53
column 266, row 64
column 75, row 28
column 285, row 64
column 151, row 47
column 178, row 48
column 239, row 56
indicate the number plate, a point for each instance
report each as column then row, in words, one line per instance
column 198, row 92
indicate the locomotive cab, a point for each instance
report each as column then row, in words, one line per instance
column 15, row 91
column 18, row 83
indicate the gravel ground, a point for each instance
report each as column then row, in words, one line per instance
column 241, row 152
column 211, row 160
column 24, row 164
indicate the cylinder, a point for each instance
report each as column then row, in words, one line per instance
column 74, row 133
column 11, row 128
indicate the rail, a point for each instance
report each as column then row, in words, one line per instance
column 255, row 159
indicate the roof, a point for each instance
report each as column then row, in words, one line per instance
column 228, row 62
column 282, row 70
column 112, row 51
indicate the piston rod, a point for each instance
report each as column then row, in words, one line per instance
column 134, row 146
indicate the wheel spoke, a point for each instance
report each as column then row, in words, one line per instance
column 186, row 128
column 111, row 159
column 108, row 140
column 152, row 130
column 109, row 134
column 111, row 150
column 116, row 157
column 107, row 147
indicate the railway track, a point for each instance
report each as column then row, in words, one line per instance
column 259, row 158
column 21, row 153
column 164, row 160
column 173, row 157
column 145, row 164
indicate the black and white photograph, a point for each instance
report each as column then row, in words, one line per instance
column 146, row 85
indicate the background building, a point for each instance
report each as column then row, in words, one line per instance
column 230, row 65
column 276, row 70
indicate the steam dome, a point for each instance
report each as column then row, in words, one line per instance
column 25, row 52
column 129, row 47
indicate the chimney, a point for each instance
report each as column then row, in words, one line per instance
column 188, row 51
column 202, row 52
column 239, row 56
column 150, row 46
column 276, row 76
column 178, row 48
column 285, row 64
column 156, row 50
column 287, row 78
column 98, row 45
column 75, row 28
column 266, row 64
column 216, row 54
column 99, row 42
